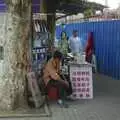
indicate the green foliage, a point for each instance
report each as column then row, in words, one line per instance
column 88, row 13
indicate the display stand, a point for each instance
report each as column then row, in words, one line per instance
column 40, row 41
column 81, row 80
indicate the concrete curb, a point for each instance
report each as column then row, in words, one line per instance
column 13, row 114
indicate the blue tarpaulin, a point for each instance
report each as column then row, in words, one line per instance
column 106, row 35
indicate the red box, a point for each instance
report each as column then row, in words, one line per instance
column 52, row 93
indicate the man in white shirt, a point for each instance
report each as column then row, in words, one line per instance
column 75, row 43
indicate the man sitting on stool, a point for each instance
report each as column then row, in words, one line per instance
column 51, row 76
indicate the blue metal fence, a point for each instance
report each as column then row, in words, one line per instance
column 106, row 41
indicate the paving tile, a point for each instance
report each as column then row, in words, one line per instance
column 104, row 106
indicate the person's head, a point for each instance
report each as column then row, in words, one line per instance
column 57, row 56
column 75, row 33
column 63, row 35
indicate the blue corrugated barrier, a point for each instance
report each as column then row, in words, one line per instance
column 106, row 40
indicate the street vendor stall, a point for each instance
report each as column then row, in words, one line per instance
column 80, row 75
column 40, row 40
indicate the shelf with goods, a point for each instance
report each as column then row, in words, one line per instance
column 40, row 40
column 39, row 49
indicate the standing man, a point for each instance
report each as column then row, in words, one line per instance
column 75, row 43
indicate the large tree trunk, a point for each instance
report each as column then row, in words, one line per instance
column 12, row 81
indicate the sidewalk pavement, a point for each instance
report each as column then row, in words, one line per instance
column 104, row 106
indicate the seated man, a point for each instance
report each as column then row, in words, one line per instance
column 51, row 76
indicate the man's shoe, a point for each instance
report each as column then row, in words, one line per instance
column 62, row 104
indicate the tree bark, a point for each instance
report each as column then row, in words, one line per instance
column 16, row 56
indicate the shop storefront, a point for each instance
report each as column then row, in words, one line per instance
column 39, row 51
column 40, row 38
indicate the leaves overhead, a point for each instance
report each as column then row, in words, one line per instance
column 73, row 6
